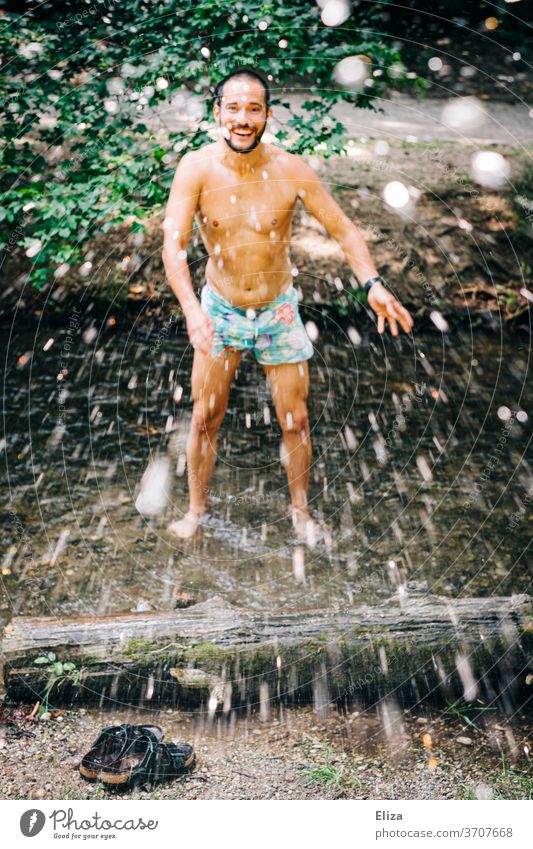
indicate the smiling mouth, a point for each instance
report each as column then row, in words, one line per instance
column 242, row 133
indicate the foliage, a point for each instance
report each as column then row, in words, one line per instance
column 509, row 782
column 467, row 711
column 59, row 673
column 330, row 774
column 80, row 80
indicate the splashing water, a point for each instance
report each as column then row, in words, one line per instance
column 154, row 488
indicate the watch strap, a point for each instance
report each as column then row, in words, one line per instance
column 371, row 282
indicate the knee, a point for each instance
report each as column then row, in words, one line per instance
column 206, row 418
column 295, row 420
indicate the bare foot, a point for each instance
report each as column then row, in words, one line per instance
column 186, row 527
column 307, row 530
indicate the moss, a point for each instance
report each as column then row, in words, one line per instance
column 206, row 655
column 144, row 652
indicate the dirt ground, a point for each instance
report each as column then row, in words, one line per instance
column 425, row 754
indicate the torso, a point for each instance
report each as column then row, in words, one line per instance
column 245, row 223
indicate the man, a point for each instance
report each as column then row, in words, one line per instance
column 243, row 193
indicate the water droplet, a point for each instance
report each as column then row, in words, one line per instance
column 354, row 337
column 312, row 330
column 61, row 270
column 424, row 468
column 435, row 63
column 335, row 12
column 396, row 194
column 352, row 71
column 154, row 487
column 34, row 248
column 298, row 564
column 504, row 414
column 464, row 114
column 439, row 321
column 490, row 169
column 381, row 148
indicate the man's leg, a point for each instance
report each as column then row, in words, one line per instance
column 211, row 383
column 289, row 383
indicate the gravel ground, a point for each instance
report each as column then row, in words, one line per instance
column 294, row 755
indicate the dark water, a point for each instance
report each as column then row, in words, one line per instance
column 421, row 470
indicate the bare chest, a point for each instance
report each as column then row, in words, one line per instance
column 261, row 204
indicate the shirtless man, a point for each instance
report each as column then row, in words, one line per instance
column 243, row 193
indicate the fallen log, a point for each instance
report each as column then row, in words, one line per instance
column 418, row 648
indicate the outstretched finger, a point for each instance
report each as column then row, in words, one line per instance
column 393, row 325
column 381, row 323
column 405, row 318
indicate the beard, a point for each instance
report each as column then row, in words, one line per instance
column 254, row 144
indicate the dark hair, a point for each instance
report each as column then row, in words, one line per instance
column 241, row 72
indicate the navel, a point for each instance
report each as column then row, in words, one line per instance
column 274, row 221
column 215, row 223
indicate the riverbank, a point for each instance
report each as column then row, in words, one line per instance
column 455, row 248
column 295, row 754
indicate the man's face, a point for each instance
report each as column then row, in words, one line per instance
column 242, row 114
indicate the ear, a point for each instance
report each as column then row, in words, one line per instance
column 269, row 112
column 216, row 110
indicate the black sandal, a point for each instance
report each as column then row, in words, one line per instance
column 171, row 760
column 149, row 761
column 112, row 744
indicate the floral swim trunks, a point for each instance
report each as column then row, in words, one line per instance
column 274, row 333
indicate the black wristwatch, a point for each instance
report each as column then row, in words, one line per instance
column 371, row 282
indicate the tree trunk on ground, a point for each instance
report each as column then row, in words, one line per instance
column 428, row 648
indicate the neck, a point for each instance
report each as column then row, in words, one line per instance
column 242, row 162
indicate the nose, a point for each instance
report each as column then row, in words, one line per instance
column 240, row 117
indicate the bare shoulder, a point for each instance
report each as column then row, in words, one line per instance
column 298, row 167
column 191, row 161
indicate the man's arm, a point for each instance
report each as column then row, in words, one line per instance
column 178, row 224
column 327, row 211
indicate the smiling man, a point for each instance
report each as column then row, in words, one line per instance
column 243, row 193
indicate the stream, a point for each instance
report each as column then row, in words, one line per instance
column 420, row 471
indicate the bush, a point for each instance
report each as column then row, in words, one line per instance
column 79, row 79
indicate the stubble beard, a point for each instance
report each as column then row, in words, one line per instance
column 247, row 149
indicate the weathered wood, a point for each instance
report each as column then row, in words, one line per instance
column 425, row 648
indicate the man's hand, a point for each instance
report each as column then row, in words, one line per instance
column 200, row 329
column 387, row 307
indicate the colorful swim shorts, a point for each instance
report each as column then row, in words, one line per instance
column 274, row 333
